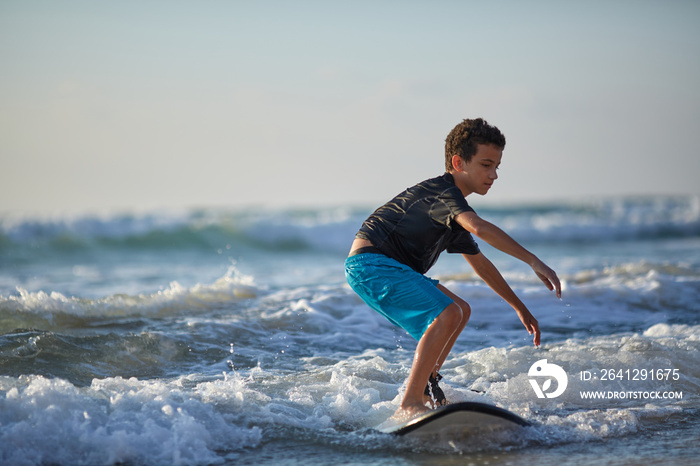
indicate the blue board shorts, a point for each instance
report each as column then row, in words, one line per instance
column 405, row 297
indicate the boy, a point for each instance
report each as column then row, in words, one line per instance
column 401, row 240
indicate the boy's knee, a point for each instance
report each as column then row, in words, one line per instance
column 465, row 308
column 452, row 315
column 466, row 311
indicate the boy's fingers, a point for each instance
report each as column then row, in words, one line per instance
column 536, row 331
column 557, row 284
column 546, row 281
column 552, row 283
column 533, row 328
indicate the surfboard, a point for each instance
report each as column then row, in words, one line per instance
column 458, row 420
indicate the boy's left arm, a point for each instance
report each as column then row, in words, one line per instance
column 499, row 239
column 493, row 278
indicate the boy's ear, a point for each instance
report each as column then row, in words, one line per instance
column 457, row 163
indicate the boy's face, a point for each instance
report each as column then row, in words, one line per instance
column 477, row 175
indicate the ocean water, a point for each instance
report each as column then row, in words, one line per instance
column 230, row 337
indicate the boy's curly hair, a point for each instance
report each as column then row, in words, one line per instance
column 464, row 137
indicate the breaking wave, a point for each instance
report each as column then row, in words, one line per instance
column 333, row 229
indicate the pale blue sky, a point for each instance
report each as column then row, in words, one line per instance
column 149, row 104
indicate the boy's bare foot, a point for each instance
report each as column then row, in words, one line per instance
column 408, row 412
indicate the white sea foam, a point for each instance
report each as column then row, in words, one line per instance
column 198, row 419
column 117, row 421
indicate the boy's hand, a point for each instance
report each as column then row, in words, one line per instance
column 531, row 325
column 548, row 276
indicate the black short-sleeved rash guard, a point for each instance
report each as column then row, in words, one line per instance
column 418, row 224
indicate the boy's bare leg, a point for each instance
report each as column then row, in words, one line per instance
column 429, row 350
column 466, row 313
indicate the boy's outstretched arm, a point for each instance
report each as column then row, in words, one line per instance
column 493, row 278
column 499, row 239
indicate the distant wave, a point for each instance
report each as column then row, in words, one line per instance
column 52, row 309
column 284, row 231
column 333, row 229
column 603, row 220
